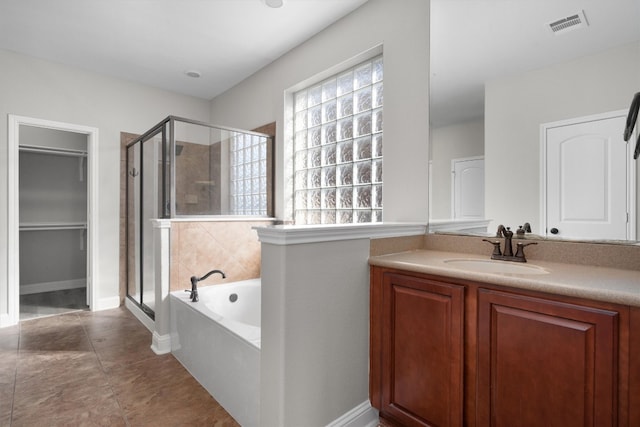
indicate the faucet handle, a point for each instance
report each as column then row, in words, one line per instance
column 496, row 247
column 520, row 250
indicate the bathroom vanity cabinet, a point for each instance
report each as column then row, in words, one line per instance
column 453, row 352
column 417, row 364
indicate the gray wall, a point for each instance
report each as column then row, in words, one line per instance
column 44, row 90
column 315, row 331
column 402, row 29
column 314, row 365
column 515, row 108
column 42, row 137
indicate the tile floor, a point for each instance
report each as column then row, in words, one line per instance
column 50, row 303
column 96, row 369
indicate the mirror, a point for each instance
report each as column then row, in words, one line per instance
column 499, row 72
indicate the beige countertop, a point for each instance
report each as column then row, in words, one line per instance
column 596, row 283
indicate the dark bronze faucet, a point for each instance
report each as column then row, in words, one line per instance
column 507, row 255
column 522, row 229
column 194, row 284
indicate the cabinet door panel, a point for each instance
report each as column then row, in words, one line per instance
column 545, row 363
column 422, row 351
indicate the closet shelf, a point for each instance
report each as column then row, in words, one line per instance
column 50, row 226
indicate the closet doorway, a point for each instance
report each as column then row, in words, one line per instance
column 51, row 239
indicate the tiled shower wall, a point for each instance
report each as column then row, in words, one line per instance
column 198, row 247
column 198, row 179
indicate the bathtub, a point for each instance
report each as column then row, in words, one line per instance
column 217, row 339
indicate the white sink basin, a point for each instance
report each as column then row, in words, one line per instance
column 494, row 267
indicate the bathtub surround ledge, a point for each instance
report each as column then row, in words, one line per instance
column 298, row 234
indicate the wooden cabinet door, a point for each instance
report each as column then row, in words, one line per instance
column 634, row 367
column 422, row 346
column 545, row 363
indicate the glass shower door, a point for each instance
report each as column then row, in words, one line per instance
column 144, row 203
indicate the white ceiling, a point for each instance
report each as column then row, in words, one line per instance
column 473, row 41
column 155, row 41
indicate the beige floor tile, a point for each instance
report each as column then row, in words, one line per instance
column 96, row 369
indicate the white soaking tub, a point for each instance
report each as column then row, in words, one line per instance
column 217, row 339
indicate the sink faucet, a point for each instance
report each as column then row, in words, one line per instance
column 507, row 255
column 194, row 284
column 522, row 229
column 508, row 235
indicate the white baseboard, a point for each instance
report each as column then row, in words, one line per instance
column 6, row 321
column 106, row 303
column 363, row 415
column 36, row 288
column 161, row 344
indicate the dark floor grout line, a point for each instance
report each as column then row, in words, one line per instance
column 15, row 375
column 77, row 315
column 106, row 374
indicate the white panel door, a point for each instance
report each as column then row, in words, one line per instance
column 468, row 188
column 587, row 180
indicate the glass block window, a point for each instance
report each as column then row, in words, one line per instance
column 248, row 170
column 338, row 148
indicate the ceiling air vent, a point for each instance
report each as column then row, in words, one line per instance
column 569, row 23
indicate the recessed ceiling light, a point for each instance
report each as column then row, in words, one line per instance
column 274, row 3
column 193, row 73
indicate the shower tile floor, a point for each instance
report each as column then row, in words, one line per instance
column 96, row 369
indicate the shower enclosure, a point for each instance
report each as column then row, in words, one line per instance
column 183, row 168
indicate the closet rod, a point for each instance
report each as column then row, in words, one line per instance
column 52, row 150
column 53, row 226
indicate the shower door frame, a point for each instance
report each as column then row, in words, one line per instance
column 159, row 129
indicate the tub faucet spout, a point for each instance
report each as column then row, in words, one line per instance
column 213, row 272
column 194, row 284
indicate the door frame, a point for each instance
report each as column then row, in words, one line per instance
column 631, row 168
column 13, row 222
